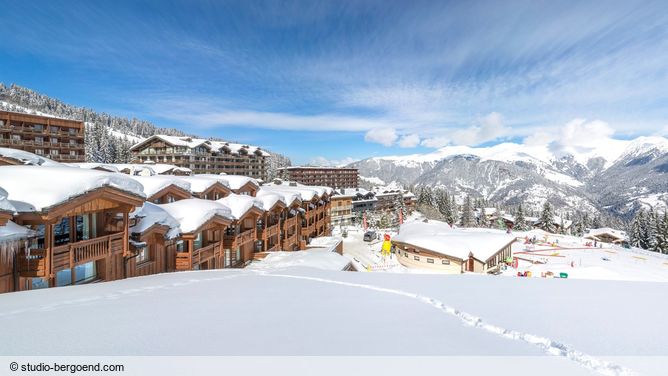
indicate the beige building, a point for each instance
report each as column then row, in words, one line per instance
column 436, row 246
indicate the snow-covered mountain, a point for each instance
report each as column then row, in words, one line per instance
column 613, row 176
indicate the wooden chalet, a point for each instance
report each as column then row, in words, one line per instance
column 269, row 232
column 161, row 189
column 203, row 225
column 82, row 229
column 207, row 188
column 241, row 237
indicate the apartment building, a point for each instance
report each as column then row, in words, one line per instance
column 203, row 156
column 61, row 140
column 335, row 177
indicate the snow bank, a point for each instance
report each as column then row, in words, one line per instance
column 269, row 199
column 458, row 242
column 290, row 198
column 27, row 158
column 33, row 188
column 192, row 213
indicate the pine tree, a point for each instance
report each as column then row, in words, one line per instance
column 636, row 235
column 467, row 219
column 547, row 218
column 484, row 221
column 520, row 221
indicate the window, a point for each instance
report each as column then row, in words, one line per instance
column 54, row 140
column 39, row 127
column 39, row 139
column 197, row 243
column 416, row 258
column 445, row 262
column 53, row 151
column 180, row 246
column 39, row 151
column 16, row 137
column 82, row 273
column 143, row 255
column 430, row 261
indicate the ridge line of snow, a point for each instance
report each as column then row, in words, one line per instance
column 549, row 346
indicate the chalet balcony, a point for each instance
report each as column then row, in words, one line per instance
column 270, row 231
column 235, row 241
column 69, row 255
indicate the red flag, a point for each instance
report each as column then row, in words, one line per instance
column 364, row 221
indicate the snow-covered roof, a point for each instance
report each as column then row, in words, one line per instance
column 35, row 189
column 5, row 205
column 234, row 182
column 288, row 197
column 270, row 199
column 191, row 142
column 596, row 232
column 156, row 183
column 162, row 168
column 312, row 258
column 240, row 204
column 27, row 158
column 151, row 214
column 91, row 166
column 199, row 183
column 192, row 213
column 307, row 192
column 135, row 168
column 12, row 232
column 325, row 242
column 439, row 237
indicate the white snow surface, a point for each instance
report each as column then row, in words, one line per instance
column 458, row 242
column 240, row 204
column 150, row 214
column 306, row 311
column 315, row 258
column 32, row 188
column 28, row 158
column 191, row 142
column 192, row 213
column 270, row 199
column 156, row 183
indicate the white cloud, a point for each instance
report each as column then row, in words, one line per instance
column 383, row 136
column 409, row 141
column 322, row 161
column 580, row 135
column 488, row 128
column 436, row 142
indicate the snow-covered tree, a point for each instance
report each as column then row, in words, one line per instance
column 520, row 221
column 467, row 219
column 547, row 218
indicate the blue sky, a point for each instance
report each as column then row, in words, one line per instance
column 333, row 81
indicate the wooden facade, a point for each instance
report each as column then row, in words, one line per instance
column 59, row 139
column 82, row 240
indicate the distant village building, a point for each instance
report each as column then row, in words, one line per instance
column 437, row 246
column 335, row 177
column 341, row 209
column 61, row 140
column 203, row 156
column 606, row 235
